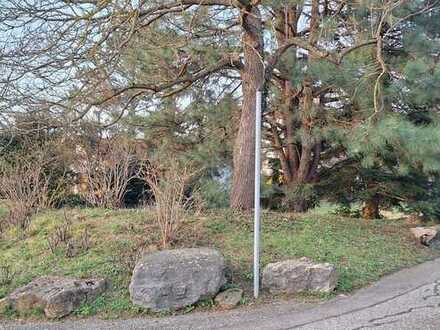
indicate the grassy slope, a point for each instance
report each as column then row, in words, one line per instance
column 362, row 251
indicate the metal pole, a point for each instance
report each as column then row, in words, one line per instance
column 257, row 195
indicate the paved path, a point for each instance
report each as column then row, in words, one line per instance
column 409, row 299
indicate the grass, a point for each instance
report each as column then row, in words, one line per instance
column 362, row 251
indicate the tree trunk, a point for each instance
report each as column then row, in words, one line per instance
column 371, row 209
column 300, row 197
column 299, row 159
column 252, row 75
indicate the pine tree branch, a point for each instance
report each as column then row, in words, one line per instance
column 347, row 51
column 172, row 6
column 315, row 51
column 228, row 62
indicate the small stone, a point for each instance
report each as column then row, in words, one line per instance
column 57, row 296
column 229, row 299
column 299, row 275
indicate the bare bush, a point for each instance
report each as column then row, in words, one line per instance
column 127, row 257
column 24, row 184
column 6, row 274
column 106, row 170
column 169, row 186
column 3, row 224
column 62, row 237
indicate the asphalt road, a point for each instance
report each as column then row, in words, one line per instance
column 409, row 299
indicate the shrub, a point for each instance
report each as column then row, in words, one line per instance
column 72, row 200
column 346, row 211
column 300, row 197
column 214, row 193
column 271, row 196
column 6, row 274
column 107, row 170
column 25, row 184
column 62, row 237
column 169, row 183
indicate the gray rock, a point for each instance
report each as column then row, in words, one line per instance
column 173, row 279
column 299, row 275
column 57, row 296
column 323, row 278
column 229, row 299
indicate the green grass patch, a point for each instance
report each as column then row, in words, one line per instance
column 362, row 251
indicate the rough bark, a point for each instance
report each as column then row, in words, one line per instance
column 371, row 209
column 299, row 159
column 252, row 80
column 307, row 139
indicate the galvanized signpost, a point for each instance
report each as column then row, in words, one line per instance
column 257, row 194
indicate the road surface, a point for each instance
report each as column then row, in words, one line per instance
column 409, row 299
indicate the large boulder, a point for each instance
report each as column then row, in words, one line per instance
column 57, row 296
column 299, row 275
column 172, row 279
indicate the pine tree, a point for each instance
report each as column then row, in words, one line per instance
column 351, row 72
column 392, row 151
